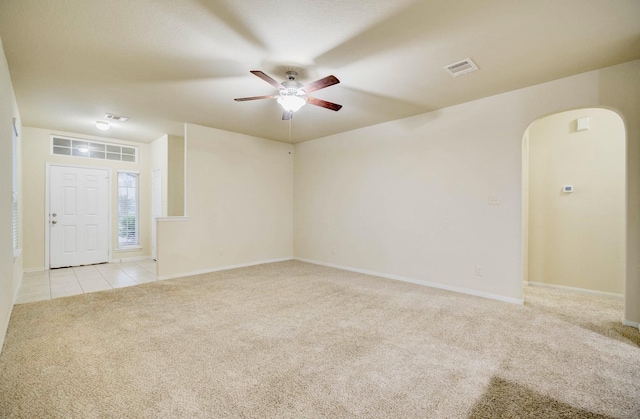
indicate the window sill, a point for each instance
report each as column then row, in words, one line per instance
column 129, row 249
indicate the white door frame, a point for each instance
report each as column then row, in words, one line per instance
column 47, row 203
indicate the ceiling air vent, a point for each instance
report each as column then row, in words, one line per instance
column 115, row 117
column 461, row 67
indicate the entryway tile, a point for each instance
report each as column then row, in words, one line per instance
column 95, row 285
column 35, row 280
column 143, row 279
column 116, row 276
column 64, row 282
column 61, row 272
column 88, row 276
column 30, row 297
column 66, row 293
column 67, row 279
column 122, row 284
column 107, row 267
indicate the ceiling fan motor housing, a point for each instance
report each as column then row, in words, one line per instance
column 292, row 91
column 291, row 86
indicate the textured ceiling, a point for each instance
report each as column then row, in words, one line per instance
column 164, row 62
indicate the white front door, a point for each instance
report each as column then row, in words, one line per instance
column 156, row 207
column 78, row 216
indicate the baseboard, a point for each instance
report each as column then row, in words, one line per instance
column 632, row 324
column 460, row 290
column 29, row 270
column 131, row 259
column 222, row 268
column 17, row 290
column 582, row 290
column 5, row 327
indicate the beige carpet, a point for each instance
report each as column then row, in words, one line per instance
column 599, row 314
column 302, row 341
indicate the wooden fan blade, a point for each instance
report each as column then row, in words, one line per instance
column 286, row 115
column 243, row 99
column 321, row 84
column 266, row 78
column 324, row 104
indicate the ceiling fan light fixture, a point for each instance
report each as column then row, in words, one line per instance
column 293, row 95
column 102, row 125
column 291, row 103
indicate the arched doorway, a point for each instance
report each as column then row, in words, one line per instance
column 574, row 206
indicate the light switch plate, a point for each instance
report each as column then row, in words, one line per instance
column 494, row 199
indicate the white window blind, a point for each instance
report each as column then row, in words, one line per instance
column 14, row 188
column 128, row 217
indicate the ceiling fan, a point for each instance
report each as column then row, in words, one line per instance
column 293, row 95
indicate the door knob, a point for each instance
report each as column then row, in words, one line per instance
column 54, row 222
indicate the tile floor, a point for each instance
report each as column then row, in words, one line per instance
column 37, row 286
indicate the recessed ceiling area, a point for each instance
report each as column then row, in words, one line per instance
column 163, row 63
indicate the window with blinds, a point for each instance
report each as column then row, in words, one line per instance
column 128, row 216
column 14, row 188
column 64, row 146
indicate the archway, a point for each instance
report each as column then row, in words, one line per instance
column 574, row 206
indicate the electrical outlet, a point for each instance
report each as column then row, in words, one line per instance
column 479, row 270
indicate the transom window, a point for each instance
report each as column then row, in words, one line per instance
column 64, row 146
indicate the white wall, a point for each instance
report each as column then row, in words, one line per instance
column 409, row 198
column 175, row 177
column 159, row 161
column 525, row 207
column 10, row 268
column 36, row 143
column 239, row 204
column 167, row 155
column 577, row 239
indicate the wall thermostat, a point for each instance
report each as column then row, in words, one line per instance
column 567, row 188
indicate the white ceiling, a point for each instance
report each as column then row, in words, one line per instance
column 167, row 62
